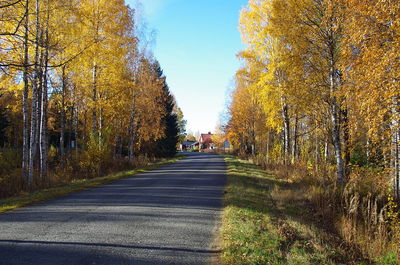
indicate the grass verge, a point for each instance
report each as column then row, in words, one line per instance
column 77, row 185
column 265, row 222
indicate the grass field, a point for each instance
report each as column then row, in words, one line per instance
column 264, row 222
column 78, row 185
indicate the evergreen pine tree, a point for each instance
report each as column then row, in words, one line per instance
column 166, row 146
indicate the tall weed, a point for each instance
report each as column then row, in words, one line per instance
column 361, row 211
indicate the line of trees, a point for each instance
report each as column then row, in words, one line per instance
column 316, row 102
column 76, row 78
column 319, row 84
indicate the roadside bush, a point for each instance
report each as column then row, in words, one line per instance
column 95, row 158
column 142, row 160
column 10, row 183
column 10, row 159
column 195, row 149
column 10, row 173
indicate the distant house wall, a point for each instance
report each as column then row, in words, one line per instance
column 227, row 144
column 188, row 145
column 205, row 142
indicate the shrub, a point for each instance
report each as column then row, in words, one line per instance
column 10, row 183
column 10, row 173
column 95, row 158
column 10, row 159
column 195, row 149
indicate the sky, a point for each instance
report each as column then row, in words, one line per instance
column 196, row 45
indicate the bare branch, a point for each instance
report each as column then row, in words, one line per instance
column 10, row 4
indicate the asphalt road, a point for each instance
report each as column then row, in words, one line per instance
column 166, row 216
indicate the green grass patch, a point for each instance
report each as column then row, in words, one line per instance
column 77, row 185
column 265, row 222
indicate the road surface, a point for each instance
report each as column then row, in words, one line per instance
column 166, row 216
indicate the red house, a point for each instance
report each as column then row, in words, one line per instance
column 206, row 143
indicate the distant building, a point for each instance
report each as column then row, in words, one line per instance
column 227, row 144
column 188, row 145
column 205, row 142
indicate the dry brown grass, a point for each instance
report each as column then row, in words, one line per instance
column 359, row 213
column 77, row 166
column 41, row 194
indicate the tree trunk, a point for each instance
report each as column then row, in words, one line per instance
column 326, row 150
column 85, row 125
column 368, row 149
column 115, row 153
column 336, row 130
column 25, row 103
column 295, row 139
column 395, row 146
column 268, row 146
column 43, row 119
column 286, row 130
column 253, row 141
column 131, row 132
column 43, row 128
column 333, row 79
column 62, row 122
column 121, row 147
column 346, row 140
column 76, row 124
column 70, row 130
column 35, row 97
column 75, row 120
column 101, row 126
column 94, row 98
column 317, row 152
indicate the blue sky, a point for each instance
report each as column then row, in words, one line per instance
column 196, row 45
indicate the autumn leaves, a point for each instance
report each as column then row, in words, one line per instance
column 79, row 75
column 319, row 80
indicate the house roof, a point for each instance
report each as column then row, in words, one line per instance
column 206, row 137
column 189, row 142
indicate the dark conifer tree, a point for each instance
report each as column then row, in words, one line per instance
column 166, row 146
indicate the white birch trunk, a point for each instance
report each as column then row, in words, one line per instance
column 25, row 99
column 76, row 125
column 395, row 146
column 44, row 94
column 94, row 98
column 326, row 150
column 286, row 130
column 35, row 96
column 295, row 139
column 336, row 130
column 62, row 122
column 334, row 104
